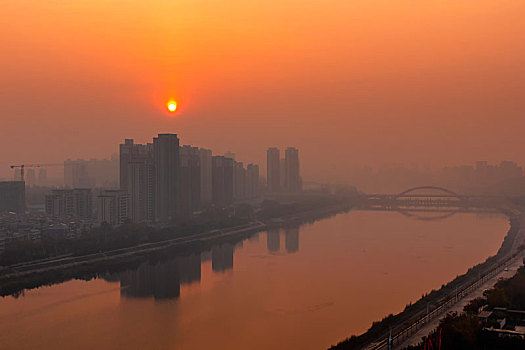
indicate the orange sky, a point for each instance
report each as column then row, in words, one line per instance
column 357, row 82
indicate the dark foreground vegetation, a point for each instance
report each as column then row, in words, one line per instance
column 468, row 331
column 381, row 329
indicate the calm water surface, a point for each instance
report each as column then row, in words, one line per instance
column 302, row 288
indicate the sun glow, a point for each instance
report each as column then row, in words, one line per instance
column 172, row 106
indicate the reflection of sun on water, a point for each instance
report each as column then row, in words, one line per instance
column 172, row 106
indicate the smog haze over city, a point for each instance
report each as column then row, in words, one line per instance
column 197, row 174
column 349, row 83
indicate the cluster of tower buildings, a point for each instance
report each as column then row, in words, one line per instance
column 158, row 182
column 163, row 181
column 163, row 280
column 91, row 173
column 283, row 173
column 31, row 176
column 480, row 174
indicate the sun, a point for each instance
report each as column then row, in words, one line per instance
column 172, row 105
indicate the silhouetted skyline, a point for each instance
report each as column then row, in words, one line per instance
column 348, row 83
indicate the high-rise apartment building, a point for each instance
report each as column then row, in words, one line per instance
column 292, row 179
column 273, row 170
column 18, row 175
column 76, row 175
column 81, row 173
column 222, row 180
column 30, row 177
column 42, row 177
column 488, row 174
column 137, row 180
column 239, row 180
column 165, row 182
column 167, row 176
column 112, row 207
column 206, row 176
column 282, row 174
column 190, row 169
column 252, row 181
column 510, row 170
column 230, row 154
column 12, row 196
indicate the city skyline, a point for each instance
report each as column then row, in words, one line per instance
column 376, row 96
column 385, row 177
column 321, row 174
column 164, row 181
column 7, row 174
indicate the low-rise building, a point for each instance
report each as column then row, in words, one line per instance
column 113, row 207
column 76, row 203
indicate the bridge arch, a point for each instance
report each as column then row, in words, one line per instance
column 412, row 215
column 436, row 188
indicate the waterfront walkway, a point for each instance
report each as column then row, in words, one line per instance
column 415, row 338
column 428, row 322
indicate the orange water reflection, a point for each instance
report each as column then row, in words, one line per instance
column 284, row 289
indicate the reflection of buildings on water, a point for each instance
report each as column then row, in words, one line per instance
column 239, row 245
column 206, row 256
column 162, row 280
column 273, row 241
column 222, row 257
column 254, row 238
column 190, row 268
column 292, row 239
column 110, row 277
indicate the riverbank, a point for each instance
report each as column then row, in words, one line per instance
column 416, row 315
column 19, row 277
column 508, row 272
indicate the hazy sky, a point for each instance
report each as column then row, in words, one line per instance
column 347, row 82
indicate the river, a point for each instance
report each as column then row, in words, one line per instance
column 298, row 288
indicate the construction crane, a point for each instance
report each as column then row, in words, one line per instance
column 23, row 166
